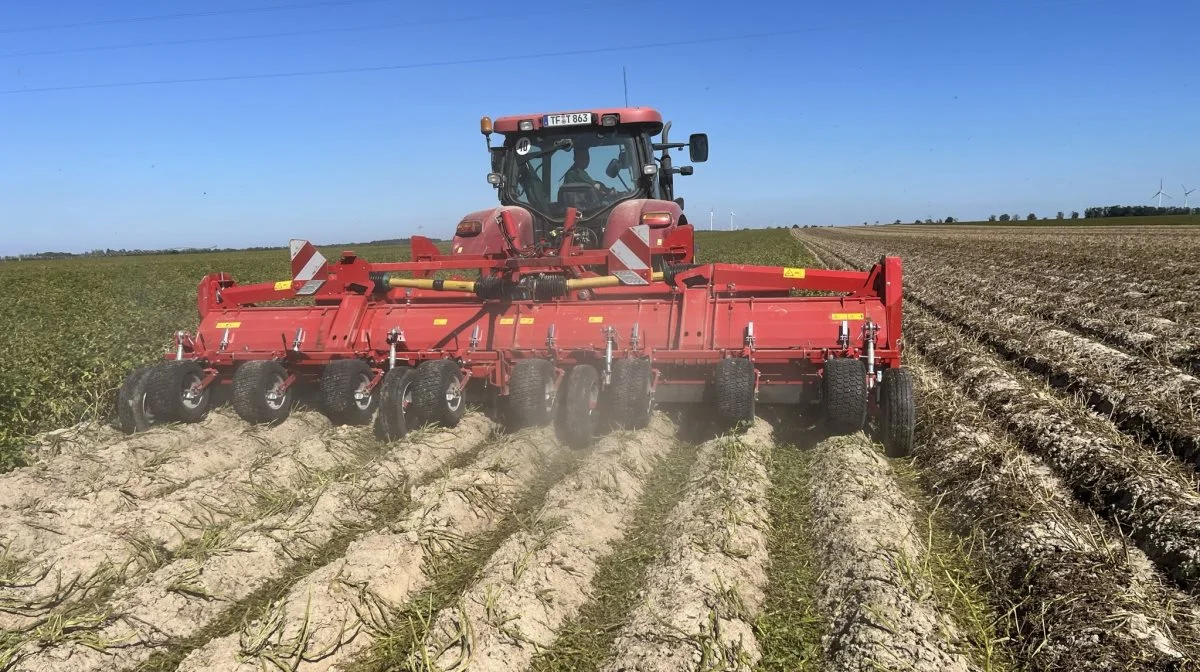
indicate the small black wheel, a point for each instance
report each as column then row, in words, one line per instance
column 576, row 420
column 898, row 412
column 531, row 393
column 844, row 395
column 133, row 415
column 395, row 404
column 630, row 397
column 733, row 383
column 345, row 394
column 175, row 392
column 438, row 394
column 258, row 394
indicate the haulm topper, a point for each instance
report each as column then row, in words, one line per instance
column 575, row 301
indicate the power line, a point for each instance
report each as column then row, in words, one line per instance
column 417, row 66
column 315, row 31
column 188, row 15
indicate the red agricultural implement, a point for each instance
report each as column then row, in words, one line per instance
column 580, row 308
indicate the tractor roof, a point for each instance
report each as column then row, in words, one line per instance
column 626, row 115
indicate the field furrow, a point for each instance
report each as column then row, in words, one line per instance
column 1075, row 595
column 1154, row 402
column 540, row 577
column 235, row 558
column 704, row 594
column 878, row 602
column 338, row 611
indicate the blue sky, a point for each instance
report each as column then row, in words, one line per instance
column 863, row 111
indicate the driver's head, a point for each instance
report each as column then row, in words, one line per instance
column 582, row 157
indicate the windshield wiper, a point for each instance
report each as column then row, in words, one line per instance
column 565, row 143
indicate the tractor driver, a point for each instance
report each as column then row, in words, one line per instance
column 577, row 173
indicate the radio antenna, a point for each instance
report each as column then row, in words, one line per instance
column 625, row 82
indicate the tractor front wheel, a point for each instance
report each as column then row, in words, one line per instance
column 395, row 404
column 844, row 395
column 259, row 396
column 898, row 412
column 630, row 396
column 175, row 392
column 346, row 394
column 531, row 393
column 576, row 421
column 133, row 415
column 438, row 394
column 733, row 383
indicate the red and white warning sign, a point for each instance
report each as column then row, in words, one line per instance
column 309, row 268
column 629, row 257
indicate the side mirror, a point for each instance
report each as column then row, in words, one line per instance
column 614, row 167
column 685, row 170
column 698, row 147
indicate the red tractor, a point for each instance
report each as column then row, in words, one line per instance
column 575, row 301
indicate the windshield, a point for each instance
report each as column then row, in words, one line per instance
column 587, row 170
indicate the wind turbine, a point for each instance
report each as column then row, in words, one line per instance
column 1186, row 192
column 711, row 212
column 730, row 220
column 1160, row 193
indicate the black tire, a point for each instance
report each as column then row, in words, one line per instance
column 437, row 395
column 630, row 397
column 531, row 394
column 132, row 413
column 897, row 412
column 255, row 392
column 172, row 394
column 395, row 400
column 344, row 393
column 575, row 422
column 733, row 387
column 844, row 395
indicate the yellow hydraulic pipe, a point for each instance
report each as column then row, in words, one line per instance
column 469, row 285
column 428, row 283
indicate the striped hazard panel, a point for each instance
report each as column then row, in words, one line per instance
column 309, row 270
column 629, row 256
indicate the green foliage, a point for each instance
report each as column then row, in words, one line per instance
column 765, row 247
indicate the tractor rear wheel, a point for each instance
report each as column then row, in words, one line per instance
column 576, row 421
column 844, row 395
column 898, row 412
column 438, row 394
column 258, row 394
column 132, row 413
column 630, row 397
column 733, row 383
column 345, row 394
column 174, row 392
column 531, row 393
column 395, row 403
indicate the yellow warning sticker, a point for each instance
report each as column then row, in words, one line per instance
column 847, row 316
column 283, row 285
column 228, row 325
column 526, row 320
column 596, row 319
column 439, row 321
column 659, row 243
column 793, row 272
column 506, row 320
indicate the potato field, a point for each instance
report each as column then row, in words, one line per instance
column 1048, row 519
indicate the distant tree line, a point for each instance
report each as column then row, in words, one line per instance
column 1135, row 211
column 109, row 252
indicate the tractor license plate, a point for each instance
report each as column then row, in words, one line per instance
column 572, row 119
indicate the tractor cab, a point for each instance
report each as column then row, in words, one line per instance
column 601, row 162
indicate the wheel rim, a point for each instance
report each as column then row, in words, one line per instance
column 362, row 395
column 548, row 395
column 275, row 394
column 593, row 399
column 406, row 401
column 193, row 394
column 146, row 412
column 453, row 396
